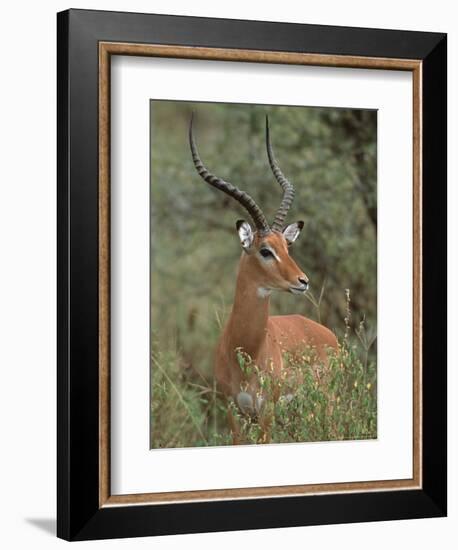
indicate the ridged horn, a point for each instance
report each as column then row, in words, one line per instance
column 243, row 198
column 287, row 186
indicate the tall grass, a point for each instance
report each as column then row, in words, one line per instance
column 318, row 402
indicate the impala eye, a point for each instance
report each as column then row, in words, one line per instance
column 266, row 253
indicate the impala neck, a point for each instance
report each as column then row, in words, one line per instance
column 248, row 321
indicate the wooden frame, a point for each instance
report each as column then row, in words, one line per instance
column 84, row 458
column 106, row 50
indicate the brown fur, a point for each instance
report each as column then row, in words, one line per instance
column 250, row 328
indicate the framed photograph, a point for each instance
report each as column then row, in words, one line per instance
column 251, row 274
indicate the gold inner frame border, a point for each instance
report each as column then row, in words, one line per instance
column 106, row 50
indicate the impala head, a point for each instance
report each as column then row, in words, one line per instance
column 268, row 261
column 266, row 247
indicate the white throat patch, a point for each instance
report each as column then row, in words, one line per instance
column 264, row 292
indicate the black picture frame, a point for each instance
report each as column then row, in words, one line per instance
column 79, row 515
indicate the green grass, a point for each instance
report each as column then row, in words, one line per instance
column 331, row 402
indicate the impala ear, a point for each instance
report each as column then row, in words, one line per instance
column 246, row 234
column 291, row 231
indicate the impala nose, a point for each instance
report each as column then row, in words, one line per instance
column 304, row 281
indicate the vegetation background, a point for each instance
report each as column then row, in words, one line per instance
column 330, row 155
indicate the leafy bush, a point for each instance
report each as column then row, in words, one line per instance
column 329, row 402
column 318, row 402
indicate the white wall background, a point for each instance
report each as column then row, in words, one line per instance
column 27, row 272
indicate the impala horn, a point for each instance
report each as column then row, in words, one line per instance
column 243, row 198
column 287, row 186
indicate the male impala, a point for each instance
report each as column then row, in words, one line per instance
column 265, row 266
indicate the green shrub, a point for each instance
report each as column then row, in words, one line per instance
column 317, row 402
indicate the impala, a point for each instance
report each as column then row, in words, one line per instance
column 265, row 266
